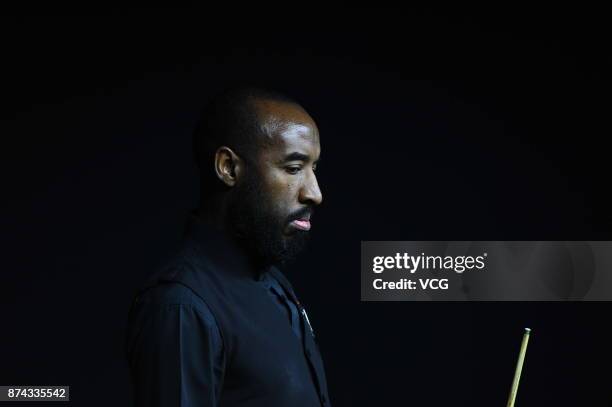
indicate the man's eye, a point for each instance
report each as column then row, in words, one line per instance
column 293, row 170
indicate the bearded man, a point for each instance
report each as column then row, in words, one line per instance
column 220, row 325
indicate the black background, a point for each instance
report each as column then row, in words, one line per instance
column 97, row 181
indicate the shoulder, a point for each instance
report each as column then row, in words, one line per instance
column 172, row 281
column 167, row 320
column 171, row 310
column 168, row 293
column 171, row 294
column 181, row 262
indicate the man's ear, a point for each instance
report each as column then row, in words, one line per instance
column 229, row 167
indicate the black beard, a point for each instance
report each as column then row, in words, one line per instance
column 259, row 229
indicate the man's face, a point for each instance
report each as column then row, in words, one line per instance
column 275, row 201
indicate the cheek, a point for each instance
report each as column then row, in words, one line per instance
column 283, row 189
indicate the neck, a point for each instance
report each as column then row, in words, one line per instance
column 214, row 214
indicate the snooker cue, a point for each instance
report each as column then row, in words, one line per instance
column 519, row 368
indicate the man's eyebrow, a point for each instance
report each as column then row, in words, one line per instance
column 297, row 157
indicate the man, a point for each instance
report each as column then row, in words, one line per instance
column 221, row 325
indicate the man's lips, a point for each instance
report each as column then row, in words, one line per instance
column 302, row 224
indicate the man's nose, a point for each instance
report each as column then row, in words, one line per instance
column 310, row 192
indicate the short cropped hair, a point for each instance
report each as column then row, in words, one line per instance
column 230, row 119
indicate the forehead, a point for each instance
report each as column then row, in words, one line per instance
column 288, row 127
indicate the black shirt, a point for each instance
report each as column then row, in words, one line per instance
column 175, row 346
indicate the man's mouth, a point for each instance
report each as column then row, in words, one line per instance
column 302, row 224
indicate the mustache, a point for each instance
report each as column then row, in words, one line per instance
column 299, row 214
